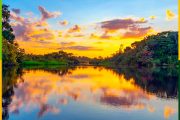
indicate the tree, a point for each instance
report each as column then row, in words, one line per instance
column 7, row 30
column 154, row 50
column 11, row 53
column 8, row 53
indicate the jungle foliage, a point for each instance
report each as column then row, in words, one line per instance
column 55, row 58
column 154, row 50
column 11, row 53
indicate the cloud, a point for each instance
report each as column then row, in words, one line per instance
column 117, row 24
column 43, row 42
column 137, row 32
column 142, row 19
column 93, row 36
column 21, row 26
column 170, row 15
column 63, row 101
column 17, row 11
column 45, row 108
column 78, row 35
column 16, row 17
column 46, row 14
column 67, row 43
column 73, row 46
column 125, row 97
column 122, row 102
column 98, row 42
column 41, row 24
column 125, row 28
column 64, row 23
column 75, row 28
column 80, row 76
column 105, row 35
column 84, row 48
column 26, row 29
column 43, row 36
column 30, row 31
column 151, row 109
column 152, row 17
column 168, row 111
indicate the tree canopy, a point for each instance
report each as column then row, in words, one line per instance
column 154, row 50
column 7, row 31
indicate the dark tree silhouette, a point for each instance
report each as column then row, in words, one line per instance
column 7, row 30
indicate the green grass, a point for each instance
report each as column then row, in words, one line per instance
column 51, row 62
column 106, row 63
column 49, row 67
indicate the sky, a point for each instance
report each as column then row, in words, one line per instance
column 89, row 28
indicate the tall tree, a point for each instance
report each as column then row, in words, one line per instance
column 7, row 30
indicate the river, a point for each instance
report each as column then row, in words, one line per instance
column 90, row 93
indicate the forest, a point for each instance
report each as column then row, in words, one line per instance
column 154, row 50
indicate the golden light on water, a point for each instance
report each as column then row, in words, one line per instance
column 87, row 84
column 47, row 90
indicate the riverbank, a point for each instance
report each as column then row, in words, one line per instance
column 51, row 62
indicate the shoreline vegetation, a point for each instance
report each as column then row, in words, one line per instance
column 152, row 51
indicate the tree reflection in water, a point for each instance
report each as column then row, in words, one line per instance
column 10, row 81
column 159, row 81
column 10, row 76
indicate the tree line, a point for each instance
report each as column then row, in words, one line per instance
column 154, row 50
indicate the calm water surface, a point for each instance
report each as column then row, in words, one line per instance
column 90, row 93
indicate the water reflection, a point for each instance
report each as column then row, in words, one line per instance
column 161, row 81
column 43, row 92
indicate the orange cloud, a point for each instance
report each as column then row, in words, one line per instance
column 168, row 111
column 93, row 35
column 117, row 24
column 125, row 28
column 142, row 19
column 137, row 32
column 75, row 28
column 64, row 23
column 151, row 109
column 79, row 35
column 170, row 15
column 152, row 17
column 67, row 43
column 41, row 24
column 81, row 48
column 105, row 35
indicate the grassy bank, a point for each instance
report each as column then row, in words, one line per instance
column 50, row 62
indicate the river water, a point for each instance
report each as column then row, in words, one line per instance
column 90, row 93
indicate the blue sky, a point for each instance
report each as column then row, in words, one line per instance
column 85, row 19
column 88, row 11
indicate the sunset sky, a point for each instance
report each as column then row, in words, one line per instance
column 88, row 27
